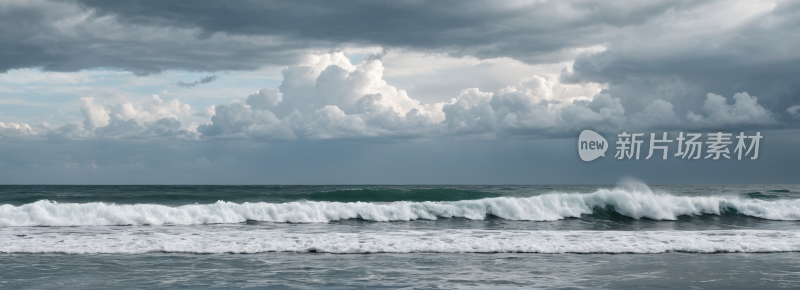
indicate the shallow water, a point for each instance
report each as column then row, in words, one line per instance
column 301, row 270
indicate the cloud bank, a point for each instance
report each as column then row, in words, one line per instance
column 329, row 97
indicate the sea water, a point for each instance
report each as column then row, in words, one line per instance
column 625, row 236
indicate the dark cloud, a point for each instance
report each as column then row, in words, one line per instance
column 657, row 67
column 63, row 36
column 196, row 83
column 152, row 36
column 676, row 51
column 725, row 56
column 489, row 29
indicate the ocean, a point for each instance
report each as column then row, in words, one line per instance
column 625, row 236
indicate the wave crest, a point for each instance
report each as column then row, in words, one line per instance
column 635, row 202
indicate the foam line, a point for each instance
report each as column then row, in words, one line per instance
column 202, row 241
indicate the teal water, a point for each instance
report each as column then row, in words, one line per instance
column 188, row 194
column 626, row 236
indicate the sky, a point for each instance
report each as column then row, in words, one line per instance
column 392, row 92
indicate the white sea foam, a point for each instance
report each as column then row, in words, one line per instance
column 204, row 240
column 631, row 202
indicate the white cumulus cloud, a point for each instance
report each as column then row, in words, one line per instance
column 744, row 111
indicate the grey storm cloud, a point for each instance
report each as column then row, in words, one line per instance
column 660, row 72
column 152, row 36
column 65, row 36
column 676, row 51
column 751, row 54
column 196, row 83
column 480, row 27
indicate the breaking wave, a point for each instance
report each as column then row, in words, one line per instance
column 203, row 241
column 631, row 201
